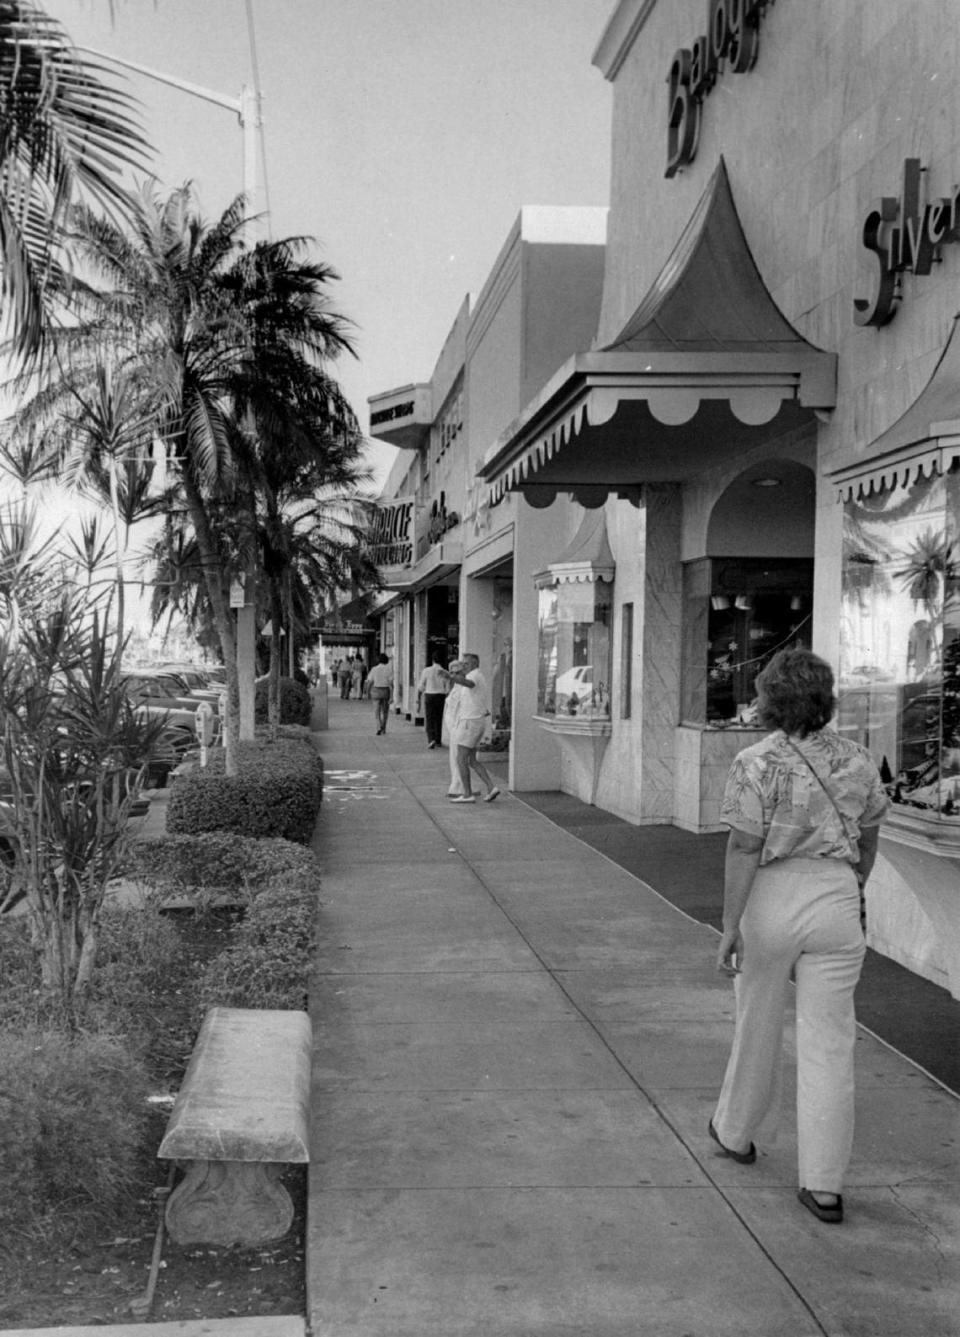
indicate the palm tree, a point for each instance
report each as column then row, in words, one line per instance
column 64, row 133
column 221, row 348
column 929, row 566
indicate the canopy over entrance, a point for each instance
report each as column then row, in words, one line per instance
column 705, row 368
column 924, row 440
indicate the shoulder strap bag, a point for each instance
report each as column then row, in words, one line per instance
column 854, row 843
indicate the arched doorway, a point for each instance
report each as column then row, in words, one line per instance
column 752, row 594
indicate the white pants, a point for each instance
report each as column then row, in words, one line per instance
column 802, row 916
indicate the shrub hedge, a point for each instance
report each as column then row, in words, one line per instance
column 295, row 702
column 269, row 961
column 213, row 859
column 72, row 1115
column 276, row 792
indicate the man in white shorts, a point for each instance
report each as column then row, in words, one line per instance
column 473, row 713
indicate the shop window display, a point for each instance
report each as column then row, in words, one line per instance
column 574, row 661
column 738, row 612
column 899, row 686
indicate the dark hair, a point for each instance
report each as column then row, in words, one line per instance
column 384, row 659
column 795, row 692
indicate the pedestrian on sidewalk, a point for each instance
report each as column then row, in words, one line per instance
column 432, row 694
column 804, row 807
column 451, row 708
column 380, row 679
column 473, row 711
column 359, row 675
column 346, row 678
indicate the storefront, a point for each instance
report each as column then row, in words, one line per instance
column 540, row 301
column 761, row 445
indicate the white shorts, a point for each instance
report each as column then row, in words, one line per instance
column 468, row 733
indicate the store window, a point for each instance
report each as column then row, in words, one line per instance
column 737, row 613
column 574, row 649
column 899, row 685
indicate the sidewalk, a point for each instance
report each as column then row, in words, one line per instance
column 517, row 1047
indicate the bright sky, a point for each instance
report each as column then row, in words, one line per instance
column 404, row 135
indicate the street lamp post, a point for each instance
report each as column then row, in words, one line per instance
column 247, row 108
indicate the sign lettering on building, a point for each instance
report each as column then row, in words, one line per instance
column 403, row 410
column 731, row 42
column 440, row 519
column 904, row 235
column 391, row 537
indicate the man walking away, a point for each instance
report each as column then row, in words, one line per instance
column 432, row 694
column 381, row 690
column 474, row 711
column 346, row 678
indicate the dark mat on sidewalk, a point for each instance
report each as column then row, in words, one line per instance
column 915, row 1016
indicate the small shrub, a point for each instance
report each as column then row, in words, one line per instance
column 72, row 1117
column 269, row 962
column 145, row 985
column 212, row 859
column 295, row 702
column 277, row 792
column 20, row 975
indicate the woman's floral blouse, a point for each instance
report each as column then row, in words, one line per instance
column 771, row 792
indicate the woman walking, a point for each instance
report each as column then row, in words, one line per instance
column 804, row 807
column 448, row 728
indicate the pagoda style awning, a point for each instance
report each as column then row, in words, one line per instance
column 706, row 367
column 924, row 440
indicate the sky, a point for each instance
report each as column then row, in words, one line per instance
column 403, row 136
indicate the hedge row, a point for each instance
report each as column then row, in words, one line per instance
column 276, row 792
column 295, row 702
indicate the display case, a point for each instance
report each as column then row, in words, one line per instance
column 899, row 684
column 738, row 612
column 575, row 613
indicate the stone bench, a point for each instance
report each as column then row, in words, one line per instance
column 240, row 1116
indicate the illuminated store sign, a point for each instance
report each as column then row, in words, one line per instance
column 391, row 540
column 732, row 41
column 904, row 234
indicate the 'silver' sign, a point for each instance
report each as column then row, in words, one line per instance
column 904, row 234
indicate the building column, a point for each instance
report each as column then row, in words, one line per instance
column 660, row 649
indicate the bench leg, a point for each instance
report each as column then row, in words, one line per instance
column 229, row 1202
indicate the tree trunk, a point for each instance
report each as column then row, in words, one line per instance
column 276, row 657
column 213, row 578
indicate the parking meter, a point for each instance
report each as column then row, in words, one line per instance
column 203, row 722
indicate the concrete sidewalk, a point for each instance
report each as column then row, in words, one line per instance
column 517, row 1047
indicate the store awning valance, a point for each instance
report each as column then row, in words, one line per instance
column 587, row 559
column 705, row 368
column 924, row 440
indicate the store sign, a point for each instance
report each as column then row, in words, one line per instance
column 904, row 235
column 404, row 410
column 331, row 630
column 731, row 42
column 441, row 520
column 391, row 536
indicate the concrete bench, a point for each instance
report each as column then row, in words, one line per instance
column 240, row 1116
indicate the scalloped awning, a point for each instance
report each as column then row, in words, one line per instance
column 705, row 368
column 586, row 559
column 924, row 440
